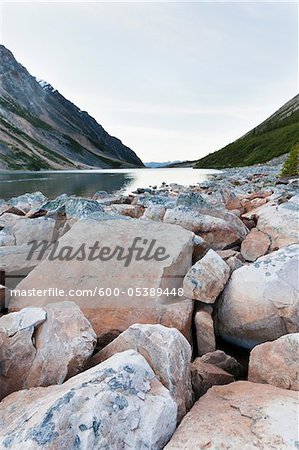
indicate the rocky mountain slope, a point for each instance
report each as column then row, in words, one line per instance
column 272, row 138
column 40, row 129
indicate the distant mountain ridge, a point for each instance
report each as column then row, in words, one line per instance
column 40, row 129
column 157, row 165
column 273, row 137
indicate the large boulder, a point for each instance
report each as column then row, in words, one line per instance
column 168, row 353
column 280, row 223
column 63, row 343
column 260, row 303
column 14, row 258
column 43, row 346
column 276, row 362
column 207, row 278
column 9, row 220
column 117, row 404
column 17, row 350
column 218, row 232
column 240, row 415
column 39, row 229
column 28, row 201
column 127, row 286
column 78, row 207
column 7, row 237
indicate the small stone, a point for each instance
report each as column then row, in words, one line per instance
column 205, row 375
column 204, row 325
column 207, row 278
column 226, row 362
column 255, row 244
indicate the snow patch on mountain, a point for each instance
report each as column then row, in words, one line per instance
column 45, row 85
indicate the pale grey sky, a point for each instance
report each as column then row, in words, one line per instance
column 171, row 80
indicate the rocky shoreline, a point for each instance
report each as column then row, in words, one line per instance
column 196, row 348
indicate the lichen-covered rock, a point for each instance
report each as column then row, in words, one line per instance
column 280, row 223
column 276, row 362
column 43, row 346
column 207, row 278
column 260, row 302
column 74, row 206
column 240, row 415
column 168, row 353
column 117, row 404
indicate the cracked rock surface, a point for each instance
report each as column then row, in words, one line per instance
column 241, row 415
column 31, row 350
column 168, row 353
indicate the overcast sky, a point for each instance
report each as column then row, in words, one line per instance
column 171, row 80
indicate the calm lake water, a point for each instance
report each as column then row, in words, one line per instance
column 86, row 182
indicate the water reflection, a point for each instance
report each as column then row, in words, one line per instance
column 86, row 182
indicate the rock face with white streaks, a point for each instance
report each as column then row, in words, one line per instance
column 260, row 303
column 117, row 404
column 43, row 346
column 240, row 415
column 276, row 362
column 120, row 278
column 207, row 278
column 168, row 353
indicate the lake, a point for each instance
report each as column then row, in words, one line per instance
column 86, row 182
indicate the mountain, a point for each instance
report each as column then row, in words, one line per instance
column 40, row 129
column 273, row 137
column 157, row 165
